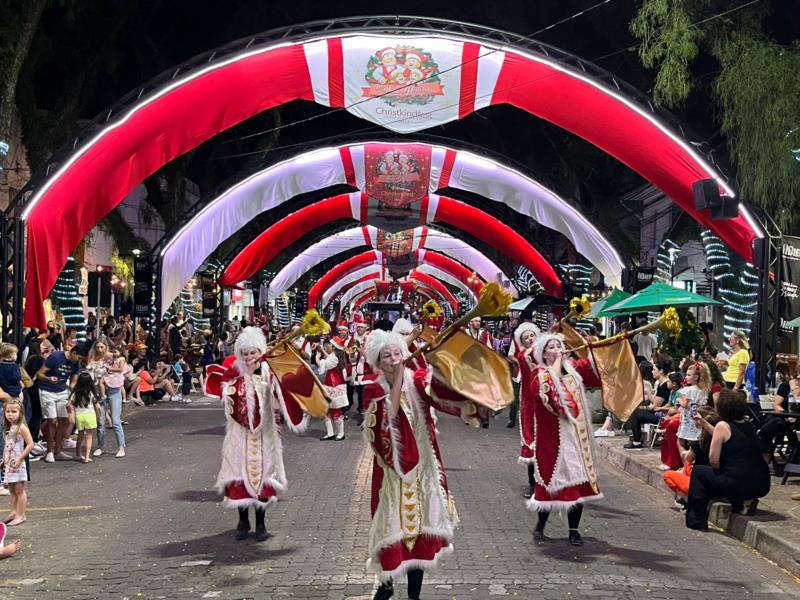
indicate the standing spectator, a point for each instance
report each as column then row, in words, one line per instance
column 737, row 363
column 57, row 375
column 85, row 400
column 32, row 366
column 113, row 380
column 691, row 398
column 18, row 445
column 174, row 336
column 736, row 472
column 645, row 344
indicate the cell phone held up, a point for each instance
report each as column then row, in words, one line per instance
column 693, row 410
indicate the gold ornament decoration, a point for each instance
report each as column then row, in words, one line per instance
column 494, row 300
column 671, row 322
column 431, row 309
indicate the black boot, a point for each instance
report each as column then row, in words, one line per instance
column 261, row 527
column 244, row 525
column 538, row 533
column 415, row 583
column 575, row 538
column 384, row 591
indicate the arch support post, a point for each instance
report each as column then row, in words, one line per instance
column 767, row 260
column 13, row 278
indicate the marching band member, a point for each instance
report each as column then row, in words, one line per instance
column 524, row 336
column 556, row 434
column 252, row 472
column 413, row 513
column 331, row 362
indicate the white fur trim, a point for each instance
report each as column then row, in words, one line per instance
column 247, row 502
column 559, row 505
column 526, row 461
column 406, row 566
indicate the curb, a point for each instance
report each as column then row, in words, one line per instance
column 773, row 539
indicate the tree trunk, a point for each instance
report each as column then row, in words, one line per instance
column 31, row 12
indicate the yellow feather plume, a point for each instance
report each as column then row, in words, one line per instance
column 314, row 324
column 580, row 306
column 671, row 322
column 431, row 309
column 494, row 300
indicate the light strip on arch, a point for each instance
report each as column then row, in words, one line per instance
column 360, row 236
column 186, row 112
column 376, row 271
column 433, row 208
column 326, row 286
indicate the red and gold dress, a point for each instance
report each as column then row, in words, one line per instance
column 252, row 471
column 556, row 430
column 527, row 366
column 413, row 513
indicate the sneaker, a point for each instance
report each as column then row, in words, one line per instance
column 176, row 398
column 633, row 446
column 39, row 448
column 50, row 458
column 187, row 400
column 35, row 457
column 98, row 452
column 120, row 453
column 604, row 433
column 69, row 443
column 4, row 491
column 63, row 456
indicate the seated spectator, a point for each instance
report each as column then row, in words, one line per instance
column 697, row 454
column 670, row 422
column 737, row 471
column 717, row 380
column 652, row 399
column 775, row 429
column 147, row 391
column 163, row 380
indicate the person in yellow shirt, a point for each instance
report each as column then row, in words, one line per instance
column 737, row 363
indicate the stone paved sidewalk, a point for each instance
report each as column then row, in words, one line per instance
column 150, row 526
column 775, row 528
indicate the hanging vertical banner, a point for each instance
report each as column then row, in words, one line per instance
column 209, row 297
column 397, row 175
column 142, row 286
column 395, row 244
column 790, row 280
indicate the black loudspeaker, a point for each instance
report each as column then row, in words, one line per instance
column 727, row 209
column 706, row 194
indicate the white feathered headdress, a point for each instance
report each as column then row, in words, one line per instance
column 523, row 327
column 376, row 341
column 250, row 337
column 540, row 344
column 403, row 326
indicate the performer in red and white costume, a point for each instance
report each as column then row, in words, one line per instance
column 405, row 328
column 476, row 332
column 331, row 362
column 558, row 433
column 362, row 372
column 413, row 513
column 252, row 472
column 524, row 337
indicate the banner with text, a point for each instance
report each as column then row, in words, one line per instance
column 790, row 280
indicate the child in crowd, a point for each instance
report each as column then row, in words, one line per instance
column 692, row 397
column 86, row 400
column 11, row 384
column 184, row 374
column 97, row 365
column 19, row 444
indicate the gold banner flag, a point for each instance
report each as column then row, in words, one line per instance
column 574, row 339
column 428, row 334
column 623, row 388
column 473, row 370
column 298, row 380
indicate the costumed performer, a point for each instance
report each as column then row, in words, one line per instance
column 331, row 361
column 557, row 430
column 252, row 472
column 406, row 328
column 413, row 513
column 524, row 336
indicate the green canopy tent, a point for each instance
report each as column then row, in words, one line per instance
column 655, row 297
column 613, row 298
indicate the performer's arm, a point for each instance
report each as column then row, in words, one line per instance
column 395, row 445
column 588, row 371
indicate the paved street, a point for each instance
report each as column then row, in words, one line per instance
column 150, row 526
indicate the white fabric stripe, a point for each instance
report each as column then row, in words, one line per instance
column 236, row 207
column 503, row 184
column 357, row 155
column 433, row 205
column 446, row 277
column 355, row 291
column 489, row 65
column 331, row 292
column 317, row 61
column 355, row 205
column 315, row 254
column 437, row 162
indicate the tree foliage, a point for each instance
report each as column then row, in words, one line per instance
column 756, row 91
